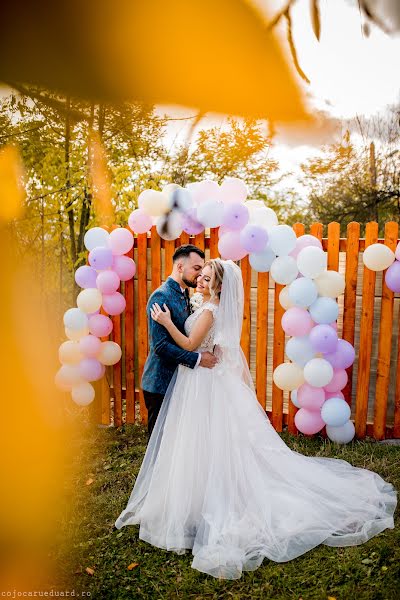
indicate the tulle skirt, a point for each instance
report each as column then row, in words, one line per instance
column 218, row 479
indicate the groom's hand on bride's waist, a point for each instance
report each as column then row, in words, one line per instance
column 208, row 360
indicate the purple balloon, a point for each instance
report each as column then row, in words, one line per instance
column 254, row 238
column 100, row 258
column 392, row 277
column 343, row 357
column 190, row 224
column 90, row 369
column 236, row 216
column 86, row 277
column 323, row 338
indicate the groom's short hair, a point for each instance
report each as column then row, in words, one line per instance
column 185, row 250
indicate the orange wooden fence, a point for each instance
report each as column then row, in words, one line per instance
column 119, row 398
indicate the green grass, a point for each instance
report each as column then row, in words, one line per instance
column 112, row 457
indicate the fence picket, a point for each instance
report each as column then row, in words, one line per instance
column 142, row 316
column 130, row 348
column 367, row 321
column 385, row 343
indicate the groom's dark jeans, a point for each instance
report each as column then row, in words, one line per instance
column 153, row 404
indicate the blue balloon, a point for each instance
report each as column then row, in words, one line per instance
column 324, row 310
column 303, row 292
column 300, row 350
column 335, row 412
column 262, row 261
column 343, row 434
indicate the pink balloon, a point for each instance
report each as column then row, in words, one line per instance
column 120, row 241
column 308, row 421
column 222, row 230
column 338, row 381
column 100, row 325
column 107, row 282
column 124, row 267
column 90, row 345
column 114, row 304
column 90, row 369
column 310, row 397
column 229, row 246
column 334, row 395
column 139, row 221
column 297, row 321
column 302, row 242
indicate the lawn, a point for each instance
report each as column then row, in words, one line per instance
column 111, row 564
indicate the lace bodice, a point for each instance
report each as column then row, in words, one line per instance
column 208, row 343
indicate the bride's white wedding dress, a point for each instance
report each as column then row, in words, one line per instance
column 218, row 479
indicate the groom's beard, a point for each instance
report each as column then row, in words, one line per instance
column 189, row 283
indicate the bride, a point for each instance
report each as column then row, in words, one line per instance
column 218, row 479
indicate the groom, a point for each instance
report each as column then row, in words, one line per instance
column 165, row 355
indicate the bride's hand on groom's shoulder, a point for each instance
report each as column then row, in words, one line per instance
column 161, row 316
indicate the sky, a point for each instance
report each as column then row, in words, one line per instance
column 351, row 74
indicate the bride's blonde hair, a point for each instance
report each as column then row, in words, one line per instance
column 217, row 274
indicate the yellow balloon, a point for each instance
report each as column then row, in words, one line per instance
column 330, row 284
column 288, row 376
column 89, row 300
column 69, row 353
column 110, row 353
column 284, row 299
column 378, row 257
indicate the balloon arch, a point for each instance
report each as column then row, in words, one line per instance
column 316, row 373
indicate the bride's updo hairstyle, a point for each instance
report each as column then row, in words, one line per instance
column 217, row 274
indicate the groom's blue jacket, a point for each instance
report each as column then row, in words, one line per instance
column 165, row 355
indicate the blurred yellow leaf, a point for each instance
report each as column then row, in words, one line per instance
column 89, row 481
column 89, row 571
column 132, row 566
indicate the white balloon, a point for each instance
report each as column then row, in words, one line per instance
column 284, row 270
column 110, row 353
column 174, row 226
column 311, row 261
column 95, row 237
column 210, row 213
column 69, row 353
column 263, row 216
column 89, row 300
column 378, row 257
column 343, row 434
column 330, row 283
column 284, row 299
column 282, row 239
column 154, row 203
column 83, row 393
column 318, row 372
column 75, row 319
